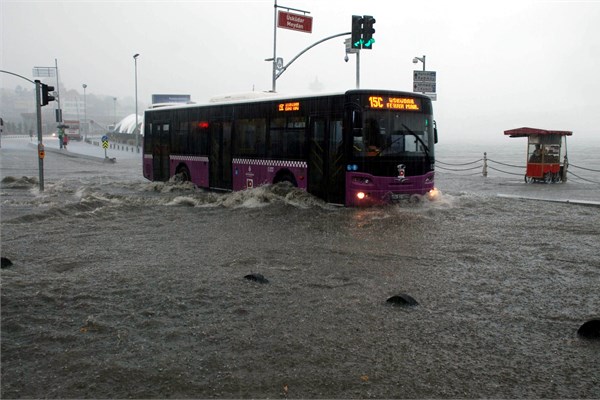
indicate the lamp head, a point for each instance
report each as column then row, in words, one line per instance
column 136, row 55
column 415, row 60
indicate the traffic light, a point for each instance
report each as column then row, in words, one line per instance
column 357, row 31
column 368, row 32
column 46, row 96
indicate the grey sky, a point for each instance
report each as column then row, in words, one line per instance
column 500, row 64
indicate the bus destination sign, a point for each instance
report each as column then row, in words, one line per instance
column 294, row 106
column 394, row 103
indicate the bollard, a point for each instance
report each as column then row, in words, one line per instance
column 484, row 165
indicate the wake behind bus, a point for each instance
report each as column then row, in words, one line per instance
column 360, row 147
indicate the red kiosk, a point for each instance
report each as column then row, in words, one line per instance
column 545, row 150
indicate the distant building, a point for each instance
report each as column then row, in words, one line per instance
column 72, row 108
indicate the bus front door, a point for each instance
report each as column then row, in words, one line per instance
column 161, row 150
column 326, row 167
column 220, row 155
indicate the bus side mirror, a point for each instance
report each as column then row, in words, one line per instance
column 435, row 135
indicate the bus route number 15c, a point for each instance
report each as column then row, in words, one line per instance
column 376, row 102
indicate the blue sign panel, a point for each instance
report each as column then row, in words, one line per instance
column 170, row 98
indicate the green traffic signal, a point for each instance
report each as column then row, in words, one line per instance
column 357, row 31
column 369, row 43
column 368, row 32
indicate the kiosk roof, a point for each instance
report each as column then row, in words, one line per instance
column 521, row 132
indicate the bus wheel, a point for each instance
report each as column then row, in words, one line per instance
column 528, row 179
column 182, row 174
column 548, row 177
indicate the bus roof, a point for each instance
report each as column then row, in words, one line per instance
column 523, row 132
column 255, row 97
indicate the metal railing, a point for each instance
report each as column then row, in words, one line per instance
column 483, row 164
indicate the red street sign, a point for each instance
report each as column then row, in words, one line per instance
column 295, row 22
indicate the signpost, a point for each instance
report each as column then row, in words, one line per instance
column 51, row 72
column 295, row 22
column 44, row 72
column 424, row 87
column 105, row 145
column 425, row 82
column 424, row 76
column 286, row 20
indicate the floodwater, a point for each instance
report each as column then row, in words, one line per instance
column 123, row 288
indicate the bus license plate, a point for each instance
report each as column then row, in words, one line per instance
column 397, row 196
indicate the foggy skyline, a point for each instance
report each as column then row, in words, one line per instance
column 499, row 65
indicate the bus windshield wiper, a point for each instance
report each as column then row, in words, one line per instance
column 402, row 137
column 420, row 141
column 418, row 138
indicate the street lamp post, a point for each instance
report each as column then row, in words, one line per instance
column 137, row 143
column 417, row 59
column 115, row 120
column 85, row 113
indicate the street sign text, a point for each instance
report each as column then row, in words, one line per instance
column 295, row 22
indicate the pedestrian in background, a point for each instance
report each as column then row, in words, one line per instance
column 65, row 141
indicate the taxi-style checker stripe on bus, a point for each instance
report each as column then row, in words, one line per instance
column 188, row 158
column 271, row 163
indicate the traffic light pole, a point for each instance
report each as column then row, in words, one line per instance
column 358, row 69
column 38, row 107
column 277, row 75
column 39, row 123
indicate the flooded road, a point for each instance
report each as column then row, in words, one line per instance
column 126, row 288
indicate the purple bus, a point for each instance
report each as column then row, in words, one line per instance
column 361, row 147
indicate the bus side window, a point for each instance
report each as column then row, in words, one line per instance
column 250, row 137
column 180, row 139
column 199, row 136
column 148, row 137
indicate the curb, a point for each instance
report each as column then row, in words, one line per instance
column 76, row 155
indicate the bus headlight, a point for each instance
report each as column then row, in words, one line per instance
column 434, row 194
column 361, row 195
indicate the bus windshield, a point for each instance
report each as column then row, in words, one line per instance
column 392, row 134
